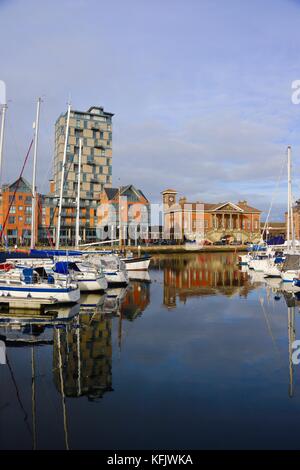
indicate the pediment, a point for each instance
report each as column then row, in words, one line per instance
column 228, row 207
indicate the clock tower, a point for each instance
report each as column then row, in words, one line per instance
column 169, row 197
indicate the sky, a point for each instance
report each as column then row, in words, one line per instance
column 200, row 89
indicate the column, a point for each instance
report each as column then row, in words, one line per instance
column 223, row 221
column 230, row 221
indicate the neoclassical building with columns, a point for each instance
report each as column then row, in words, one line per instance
column 212, row 222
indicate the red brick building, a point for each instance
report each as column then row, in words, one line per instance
column 16, row 209
column 235, row 221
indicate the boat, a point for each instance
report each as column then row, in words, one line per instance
column 243, row 260
column 113, row 268
column 291, row 265
column 85, row 275
column 36, row 283
column 136, row 263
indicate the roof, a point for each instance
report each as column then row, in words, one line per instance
column 169, row 191
column 23, row 185
column 244, row 207
column 111, row 193
column 273, row 224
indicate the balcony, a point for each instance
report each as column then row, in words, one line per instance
column 99, row 144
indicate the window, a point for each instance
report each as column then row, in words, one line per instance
column 20, row 197
column 20, row 208
column 20, row 218
column 28, row 220
column 28, row 199
column 12, row 210
column 11, row 220
column 28, row 210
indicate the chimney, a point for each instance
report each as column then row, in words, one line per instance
column 182, row 201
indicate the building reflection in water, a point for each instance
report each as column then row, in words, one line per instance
column 202, row 274
column 86, row 350
column 136, row 300
column 86, row 353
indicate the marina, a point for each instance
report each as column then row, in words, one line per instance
column 149, row 231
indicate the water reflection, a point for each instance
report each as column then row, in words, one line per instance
column 291, row 296
column 170, row 375
column 200, row 275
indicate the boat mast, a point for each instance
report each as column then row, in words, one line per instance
column 120, row 215
column 78, row 197
column 62, row 388
column 291, row 338
column 289, row 199
column 33, row 396
column 4, row 108
column 33, row 206
column 62, row 178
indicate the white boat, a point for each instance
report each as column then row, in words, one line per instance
column 258, row 263
column 35, row 283
column 137, row 263
column 272, row 270
column 87, row 276
column 113, row 268
column 290, row 275
column 243, row 260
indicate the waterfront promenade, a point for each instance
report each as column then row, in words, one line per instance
column 157, row 249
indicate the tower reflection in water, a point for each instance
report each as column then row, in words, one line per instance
column 202, row 274
column 85, row 351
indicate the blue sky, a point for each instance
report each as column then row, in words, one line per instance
column 201, row 89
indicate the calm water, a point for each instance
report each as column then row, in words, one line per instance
column 198, row 358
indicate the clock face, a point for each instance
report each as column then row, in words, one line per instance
column 171, row 199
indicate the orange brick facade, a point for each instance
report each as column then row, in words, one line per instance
column 211, row 222
column 129, row 205
column 17, row 209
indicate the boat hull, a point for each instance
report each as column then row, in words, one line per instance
column 62, row 295
column 136, row 264
column 289, row 276
column 117, row 278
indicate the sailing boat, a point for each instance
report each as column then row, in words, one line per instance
column 291, row 265
column 28, row 282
